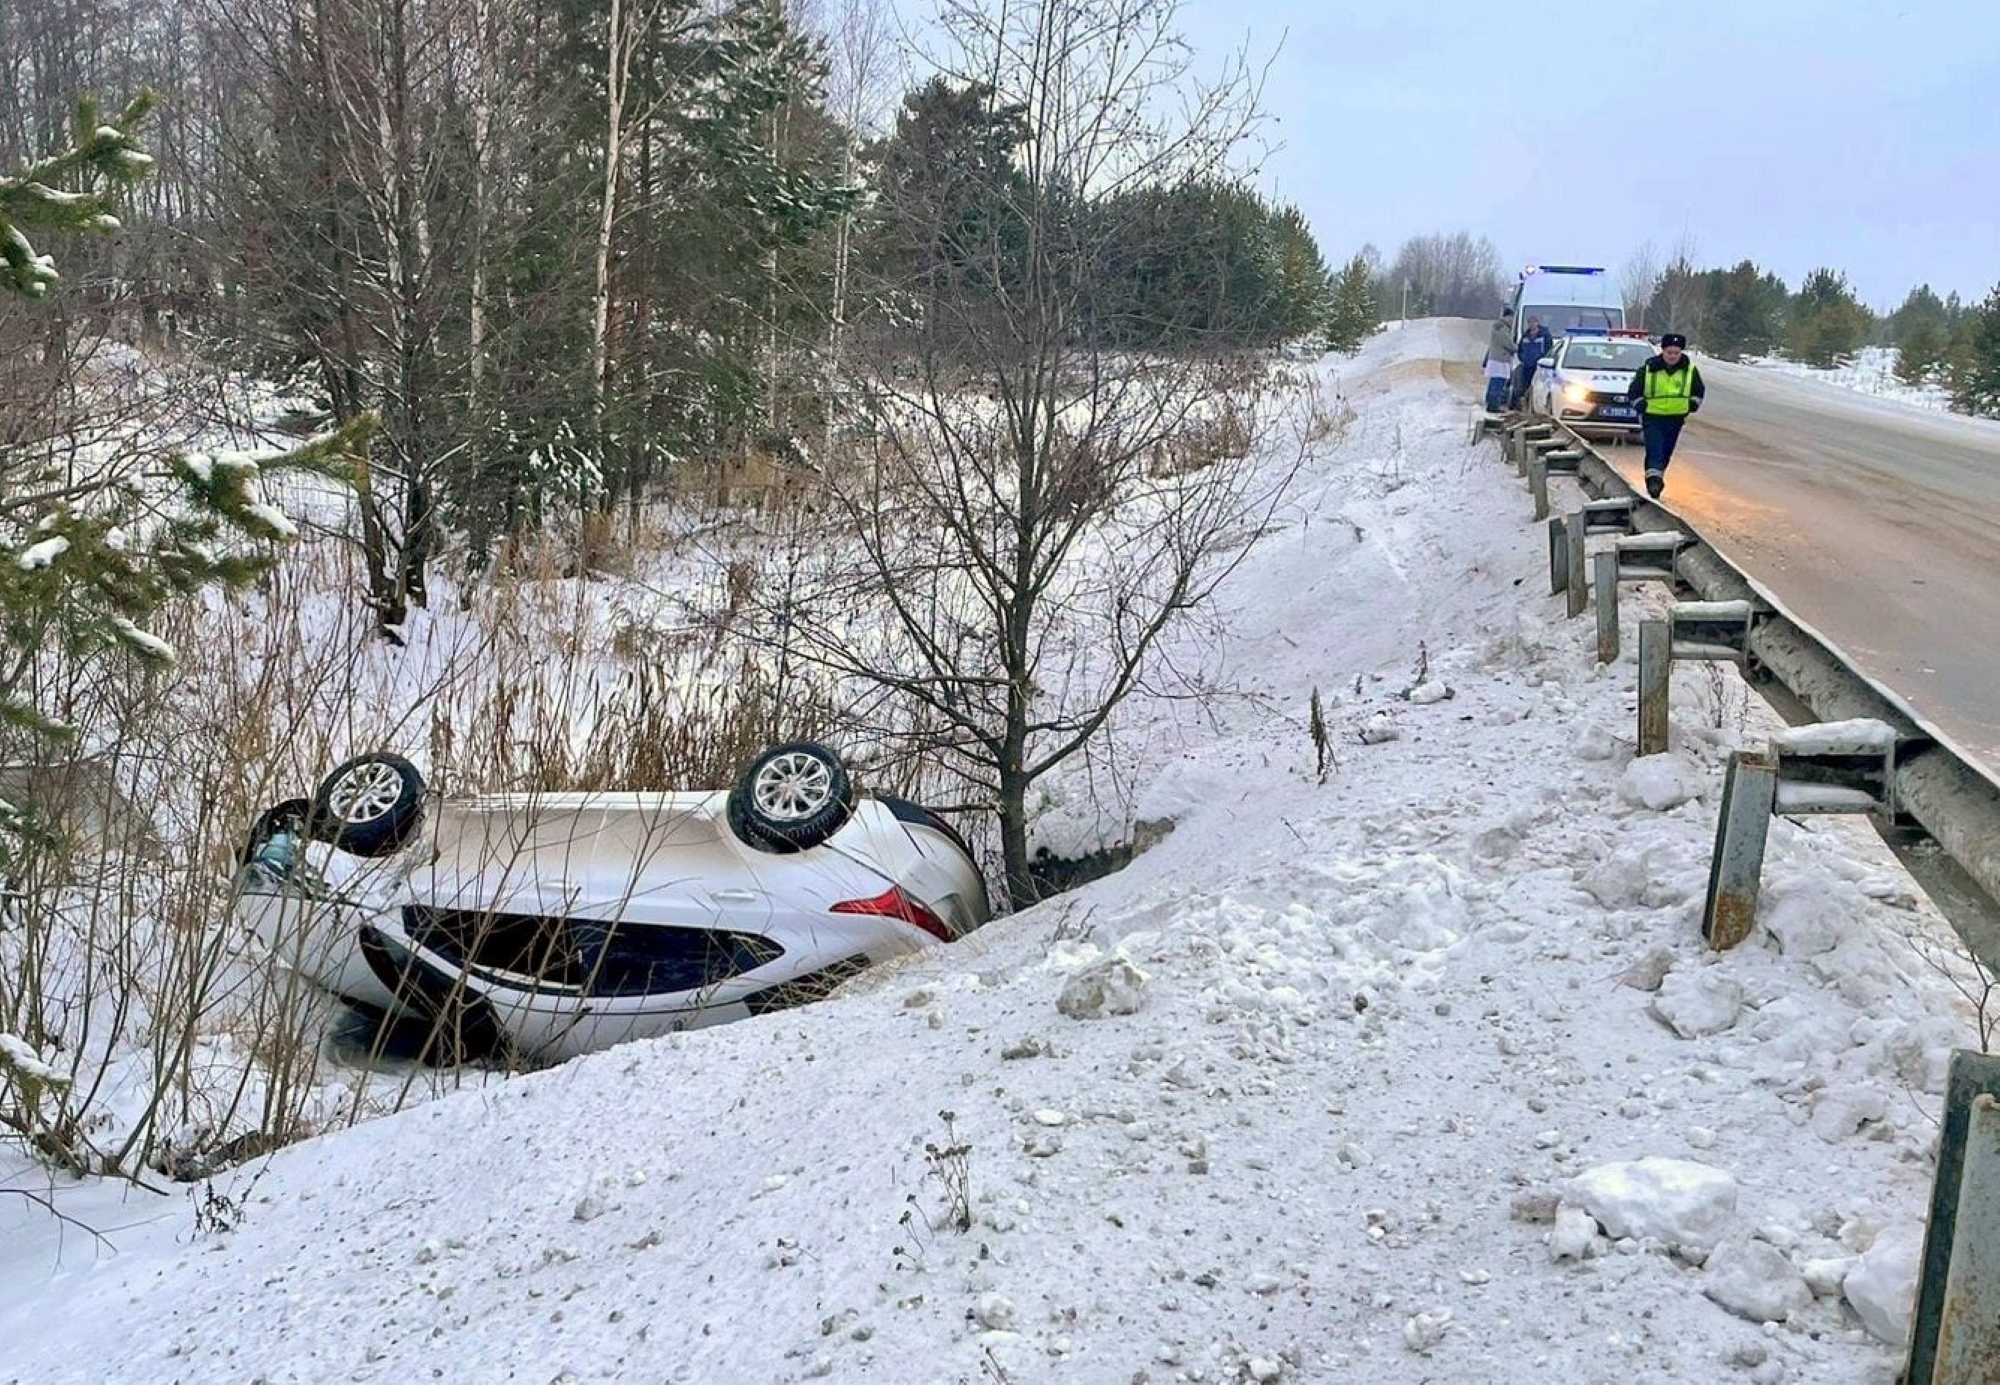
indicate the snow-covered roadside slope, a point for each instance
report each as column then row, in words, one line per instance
column 1345, row 1044
column 1872, row 371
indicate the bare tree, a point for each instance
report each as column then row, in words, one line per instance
column 861, row 64
column 343, row 157
column 1449, row 276
column 1683, row 293
column 1042, row 507
column 1639, row 280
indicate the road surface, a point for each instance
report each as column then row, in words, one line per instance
column 1878, row 524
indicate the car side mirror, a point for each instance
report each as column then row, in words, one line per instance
column 1546, row 363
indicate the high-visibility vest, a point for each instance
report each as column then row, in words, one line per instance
column 1670, row 393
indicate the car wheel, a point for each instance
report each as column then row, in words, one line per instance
column 370, row 805
column 790, row 798
column 289, row 816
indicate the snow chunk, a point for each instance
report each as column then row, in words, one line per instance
column 995, row 1312
column 1697, row 1004
column 147, row 644
column 1110, row 987
column 1660, row 782
column 1575, row 1233
column 1650, row 971
column 1824, row 1276
column 1839, row 1112
column 1654, row 541
column 1712, row 610
column 18, row 1055
column 1805, row 923
column 1821, row 798
column 1424, row 694
column 1756, row 1281
column 37, row 556
column 1861, row 736
column 1426, row 1330
column 1598, row 742
column 273, row 521
column 1884, row 1289
column 1380, row 729
column 241, row 465
column 1673, row 1200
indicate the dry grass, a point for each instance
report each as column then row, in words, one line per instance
column 121, row 963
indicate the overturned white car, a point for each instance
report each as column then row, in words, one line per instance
column 546, row 925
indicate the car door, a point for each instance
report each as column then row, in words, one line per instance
column 1542, row 390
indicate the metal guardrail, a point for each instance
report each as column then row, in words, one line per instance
column 1955, row 1322
column 1947, row 828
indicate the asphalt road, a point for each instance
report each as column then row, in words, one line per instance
column 1877, row 524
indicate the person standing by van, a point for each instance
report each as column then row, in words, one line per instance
column 1535, row 344
column 1499, row 362
column 1666, row 390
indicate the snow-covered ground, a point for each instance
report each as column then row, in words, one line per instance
column 1417, row 1072
column 1872, row 371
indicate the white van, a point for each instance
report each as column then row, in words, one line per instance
column 1566, row 296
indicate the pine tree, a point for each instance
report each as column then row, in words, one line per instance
column 1828, row 322
column 103, row 161
column 1355, row 314
column 1921, row 353
column 1747, row 313
column 1304, row 285
column 86, row 559
column 1921, row 309
column 1975, row 367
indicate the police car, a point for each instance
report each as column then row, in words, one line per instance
column 1583, row 379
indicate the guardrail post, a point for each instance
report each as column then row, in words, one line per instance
column 1579, row 567
column 1604, row 577
column 1655, row 683
column 1538, row 486
column 1939, row 791
column 1749, row 788
column 1558, row 557
column 1955, row 1326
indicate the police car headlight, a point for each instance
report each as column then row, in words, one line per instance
column 1576, row 394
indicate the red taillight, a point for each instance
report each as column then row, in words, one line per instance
column 894, row 904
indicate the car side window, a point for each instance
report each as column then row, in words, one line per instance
column 651, row 959
column 602, row 957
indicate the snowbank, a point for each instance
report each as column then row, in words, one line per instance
column 1871, row 372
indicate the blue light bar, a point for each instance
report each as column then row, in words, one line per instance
column 1560, row 269
column 1587, row 332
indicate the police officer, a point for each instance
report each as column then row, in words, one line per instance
column 1666, row 390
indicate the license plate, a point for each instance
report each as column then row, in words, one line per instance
column 1618, row 411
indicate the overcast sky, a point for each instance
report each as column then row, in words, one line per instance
column 1860, row 135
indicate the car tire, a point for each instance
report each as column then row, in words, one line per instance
column 792, row 797
column 370, row 805
column 291, row 815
